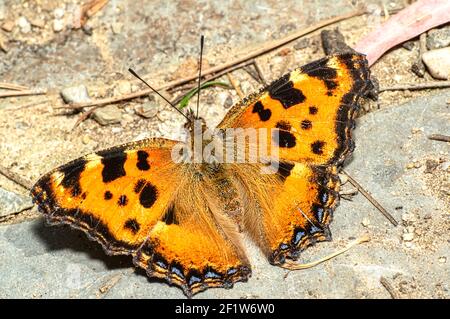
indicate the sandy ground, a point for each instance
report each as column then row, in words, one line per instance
column 394, row 160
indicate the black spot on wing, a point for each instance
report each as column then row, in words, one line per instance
column 283, row 125
column 132, row 225
column 283, row 139
column 283, row 90
column 123, row 200
column 108, row 195
column 313, row 110
column 317, row 147
column 148, row 195
column 284, row 170
column 113, row 164
column 169, row 217
column 72, row 173
column 306, row 124
column 264, row 114
column 142, row 162
column 139, row 185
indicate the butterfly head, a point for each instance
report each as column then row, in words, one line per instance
column 195, row 125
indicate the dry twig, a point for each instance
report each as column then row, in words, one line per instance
column 15, row 178
column 23, row 93
column 371, row 199
column 12, row 86
column 260, row 73
column 389, row 288
column 439, row 137
column 255, row 53
column 235, row 85
column 417, row 86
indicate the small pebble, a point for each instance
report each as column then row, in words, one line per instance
column 75, row 94
column 408, row 236
column 228, row 102
column 10, row 202
column 127, row 118
column 106, row 115
column 58, row 13
column 164, row 115
column 87, row 29
column 86, row 139
column 124, row 87
column 343, row 178
column 147, row 110
column 24, row 25
column 438, row 63
column 442, row 260
column 409, row 45
column 365, row 222
column 117, row 27
column 445, row 166
column 58, row 25
column 408, row 217
column 438, row 38
column 302, row 44
column 8, row 26
column 37, row 22
column 410, row 229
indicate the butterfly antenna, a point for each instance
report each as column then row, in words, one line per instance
column 202, row 39
column 170, row 103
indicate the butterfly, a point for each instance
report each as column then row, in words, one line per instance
column 184, row 221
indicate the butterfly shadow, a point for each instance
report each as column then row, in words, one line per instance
column 58, row 238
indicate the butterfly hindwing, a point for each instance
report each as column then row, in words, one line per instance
column 301, row 212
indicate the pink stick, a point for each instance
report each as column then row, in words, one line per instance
column 407, row 24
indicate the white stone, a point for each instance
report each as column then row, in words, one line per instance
column 75, row 94
column 24, row 25
column 58, row 25
column 109, row 114
column 117, row 27
column 438, row 63
column 408, row 236
column 124, row 87
column 58, row 13
column 147, row 110
column 365, row 222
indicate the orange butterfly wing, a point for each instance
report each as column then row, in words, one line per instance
column 312, row 110
column 125, row 198
column 311, row 107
